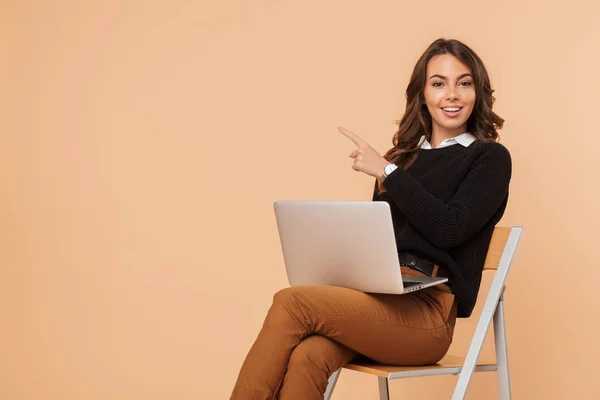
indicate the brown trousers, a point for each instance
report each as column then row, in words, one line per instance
column 312, row 331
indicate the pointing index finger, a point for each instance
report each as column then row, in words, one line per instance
column 352, row 136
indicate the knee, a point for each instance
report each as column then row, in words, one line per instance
column 286, row 297
column 287, row 303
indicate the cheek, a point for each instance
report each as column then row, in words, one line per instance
column 470, row 105
column 471, row 98
column 433, row 99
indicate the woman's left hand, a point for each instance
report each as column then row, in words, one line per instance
column 366, row 158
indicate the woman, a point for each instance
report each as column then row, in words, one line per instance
column 446, row 180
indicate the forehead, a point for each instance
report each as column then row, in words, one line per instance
column 446, row 65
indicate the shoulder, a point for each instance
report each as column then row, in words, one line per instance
column 491, row 151
column 492, row 160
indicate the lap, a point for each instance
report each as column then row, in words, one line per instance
column 409, row 328
column 423, row 309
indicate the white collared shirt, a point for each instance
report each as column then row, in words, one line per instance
column 464, row 139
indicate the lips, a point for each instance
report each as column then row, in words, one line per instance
column 451, row 112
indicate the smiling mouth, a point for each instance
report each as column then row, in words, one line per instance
column 451, row 109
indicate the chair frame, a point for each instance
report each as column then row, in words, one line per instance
column 493, row 309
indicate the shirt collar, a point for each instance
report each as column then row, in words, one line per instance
column 464, row 139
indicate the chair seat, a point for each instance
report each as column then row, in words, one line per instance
column 448, row 365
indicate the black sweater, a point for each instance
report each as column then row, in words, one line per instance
column 445, row 207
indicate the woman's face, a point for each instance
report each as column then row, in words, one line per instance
column 449, row 95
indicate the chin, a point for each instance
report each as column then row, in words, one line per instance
column 453, row 126
column 456, row 126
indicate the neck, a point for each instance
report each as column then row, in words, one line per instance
column 440, row 134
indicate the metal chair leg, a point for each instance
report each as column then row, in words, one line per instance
column 501, row 351
column 331, row 385
column 384, row 388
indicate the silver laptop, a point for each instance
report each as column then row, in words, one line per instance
column 348, row 244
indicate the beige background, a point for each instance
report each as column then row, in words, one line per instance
column 143, row 143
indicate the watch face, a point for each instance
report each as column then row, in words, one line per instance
column 389, row 169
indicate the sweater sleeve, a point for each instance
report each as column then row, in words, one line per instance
column 448, row 224
column 375, row 192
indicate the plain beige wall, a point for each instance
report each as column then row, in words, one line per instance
column 143, row 143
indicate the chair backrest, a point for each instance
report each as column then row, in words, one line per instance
column 496, row 248
column 500, row 255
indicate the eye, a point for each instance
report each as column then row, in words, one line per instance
column 436, row 84
column 466, row 83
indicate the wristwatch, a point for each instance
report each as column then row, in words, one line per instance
column 387, row 170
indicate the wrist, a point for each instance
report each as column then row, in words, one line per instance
column 387, row 170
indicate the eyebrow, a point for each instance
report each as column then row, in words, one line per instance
column 444, row 78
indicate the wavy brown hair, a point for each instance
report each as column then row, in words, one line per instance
column 483, row 123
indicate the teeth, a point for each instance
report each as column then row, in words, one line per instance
column 451, row 109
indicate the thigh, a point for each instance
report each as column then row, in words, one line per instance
column 414, row 328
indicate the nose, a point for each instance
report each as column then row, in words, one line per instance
column 452, row 93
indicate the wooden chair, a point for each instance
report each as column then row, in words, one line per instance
column 500, row 255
